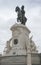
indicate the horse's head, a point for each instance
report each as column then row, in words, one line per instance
column 17, row 9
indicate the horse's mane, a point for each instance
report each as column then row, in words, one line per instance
column 17, row 9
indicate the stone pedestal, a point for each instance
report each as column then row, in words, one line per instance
column 20, row 44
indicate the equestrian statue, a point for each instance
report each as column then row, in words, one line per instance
column 21, row 15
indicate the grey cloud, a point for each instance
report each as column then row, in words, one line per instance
column 14, row 3
column 5, row 25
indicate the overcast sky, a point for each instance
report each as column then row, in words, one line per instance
column 8, row 18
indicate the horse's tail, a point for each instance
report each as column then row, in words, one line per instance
column 25, row 19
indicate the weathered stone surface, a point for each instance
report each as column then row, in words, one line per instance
column 35, row 58
column 13, row 60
